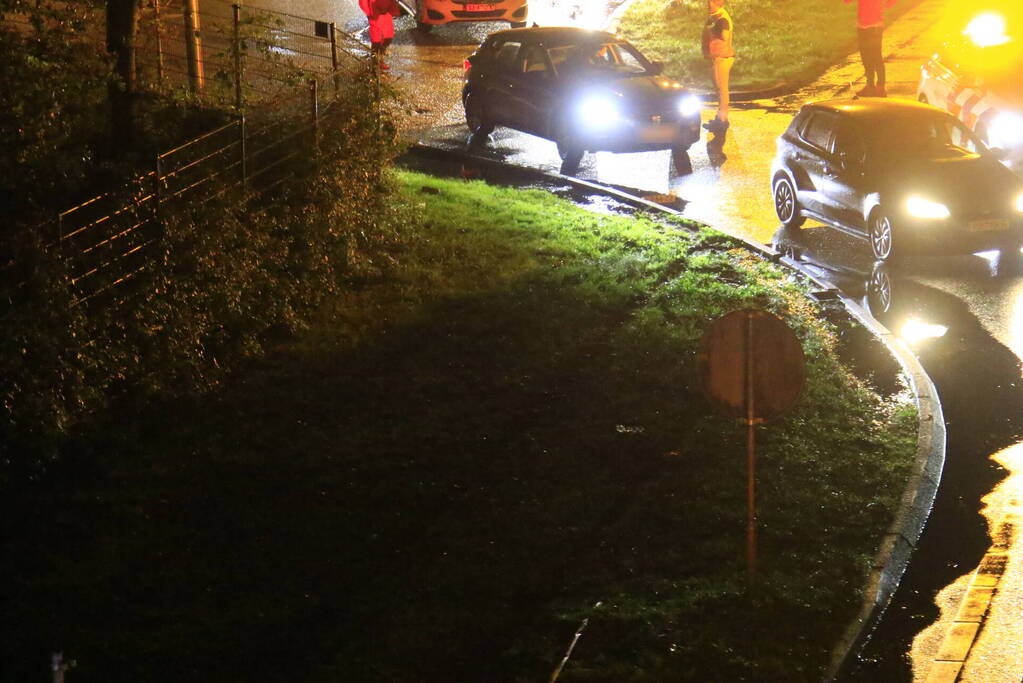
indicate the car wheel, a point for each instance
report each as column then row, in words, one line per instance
column 878, row 299
column 680, row 160
column 476, row 118
column 786, row 205
column 882, row 238
column 423, row 27
column 571, row 154
column 517, row 24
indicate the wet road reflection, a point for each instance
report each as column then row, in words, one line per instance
column 961, row 316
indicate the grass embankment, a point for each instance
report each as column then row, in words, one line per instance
column 476, row 449
column 776, row 42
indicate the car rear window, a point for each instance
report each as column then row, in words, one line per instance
column 817, row 130
column 507, row 54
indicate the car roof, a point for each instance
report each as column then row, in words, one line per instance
column 871, row 110
column 558, row 35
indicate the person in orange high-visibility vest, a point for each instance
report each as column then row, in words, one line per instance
column 869, row 29
column 380, row 14
column 717, row 48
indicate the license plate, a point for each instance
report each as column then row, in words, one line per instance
column 480, row 8
column 989, row 225
column 658, row 134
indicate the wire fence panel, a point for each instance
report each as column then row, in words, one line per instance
column 103, row 241
column 231, row 54
column 288, row 73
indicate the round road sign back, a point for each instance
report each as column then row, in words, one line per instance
column 751, row 365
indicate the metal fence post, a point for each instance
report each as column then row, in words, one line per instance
column 159, row 44
column 157, row 194
column 236, row 12
column 333, row 59
column 245, row 169
column 315, row 112
column 193, row 46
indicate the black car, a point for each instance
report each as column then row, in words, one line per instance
column 904, row 175
column 586, row 90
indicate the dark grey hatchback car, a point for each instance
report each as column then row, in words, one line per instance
column 904, row 175
column 586, row 90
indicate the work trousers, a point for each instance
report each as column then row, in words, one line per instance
column 870, row 53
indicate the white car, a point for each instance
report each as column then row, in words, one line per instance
column 429, row 13
column 978, row 79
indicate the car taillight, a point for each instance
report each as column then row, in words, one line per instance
column 466, row 64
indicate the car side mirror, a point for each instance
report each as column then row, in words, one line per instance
column 656, row 68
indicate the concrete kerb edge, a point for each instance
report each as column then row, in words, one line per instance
column 918, row 498
column 899, row 541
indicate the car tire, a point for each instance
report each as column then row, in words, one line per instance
column 680, row 160
column 517, row 24
column 786, row 206
column 878, row 297
column 476, row 118
column 571, row 154
column 423, row 27
column 882, row 235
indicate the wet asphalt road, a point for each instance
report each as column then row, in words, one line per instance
column 977, row 302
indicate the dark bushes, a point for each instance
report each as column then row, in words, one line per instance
column 223, row 280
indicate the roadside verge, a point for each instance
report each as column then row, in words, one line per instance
column 917, row 499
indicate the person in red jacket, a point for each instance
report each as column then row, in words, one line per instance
column 869, row 28
column 380, row 14
column 717, row 47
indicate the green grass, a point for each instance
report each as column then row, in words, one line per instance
column 469, row 454
column 776, row 42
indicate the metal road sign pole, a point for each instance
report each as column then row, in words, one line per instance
column 752, row 368
column 751, row 455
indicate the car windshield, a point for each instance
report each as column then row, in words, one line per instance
column 923, row 137
column 610, row 57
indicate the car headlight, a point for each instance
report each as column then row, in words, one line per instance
column 598, row 111
column 925, row 208
column 690, row 105
column 1019, row 202
column 987, row 30
column 1005, row 131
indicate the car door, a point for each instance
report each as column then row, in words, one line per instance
column 844, row 174
column 498, row 82
column 534, row 94
column 812, row 154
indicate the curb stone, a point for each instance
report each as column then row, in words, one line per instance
column 900, row 539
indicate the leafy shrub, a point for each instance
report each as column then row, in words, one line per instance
column 224, row 280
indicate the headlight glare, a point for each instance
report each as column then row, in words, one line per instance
column 987, row 30
column 690, row 105
column 919, row 207
column 1019, row 202
column 598, row 111
column 1005, row 131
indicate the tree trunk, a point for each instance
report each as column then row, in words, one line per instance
column 122, row 23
